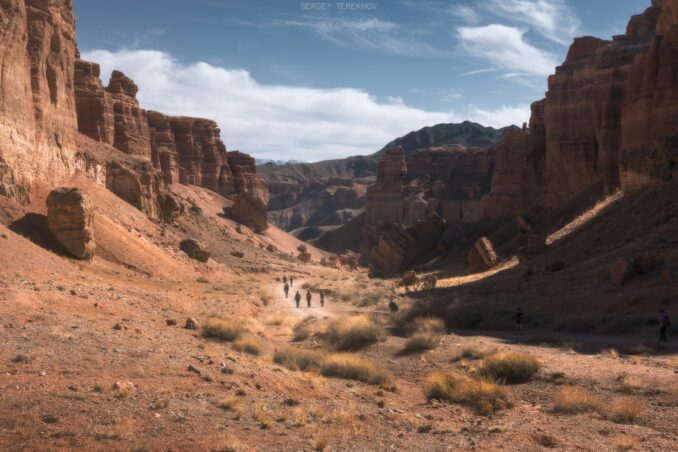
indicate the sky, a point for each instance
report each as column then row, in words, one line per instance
column 319, row 80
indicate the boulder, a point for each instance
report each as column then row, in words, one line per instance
column 70, row 219
column 621, row 271
column 409, row 278
column 302, row 248
column 195, row 249
column 191, row 324
column 271, row 248
column 251, row 212
column 482, row 256
column 238, row 254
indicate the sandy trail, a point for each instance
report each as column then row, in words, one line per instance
column 331, row 309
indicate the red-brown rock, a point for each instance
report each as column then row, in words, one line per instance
column 195, row 249
column 482, row 256
column 37, row 106
column 70, row 218
column 621, row 271
column 249, row 211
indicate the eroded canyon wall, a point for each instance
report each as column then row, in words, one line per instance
column 37, row 103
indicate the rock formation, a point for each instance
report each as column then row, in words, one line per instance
column 37, row 104
column 609, row 120
column 195, row 250
column 186, row 150
column 400, row 246
column 70, row 218
column 249, row 211
column 482, row 256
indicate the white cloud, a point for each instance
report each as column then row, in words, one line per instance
column 269, row 121
column 506, row 48
column 479, row 71
column 500, row 117
column 452, row 95
column 553, row 19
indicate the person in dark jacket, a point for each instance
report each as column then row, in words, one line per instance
column 297, row 298
column 664, row 324
column 322, row 299
column 520, row 317
column 393, row 306
column 287, row 289
column 308, row 298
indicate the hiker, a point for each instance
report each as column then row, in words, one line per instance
column 520, row 316
column 664, row 323
column 287, row 290
column 285, row 279
column 308, row 298
column 291, row 281
column 322, row 299
column 297, row 298
column 393, row 307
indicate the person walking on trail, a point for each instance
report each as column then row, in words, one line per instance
column 393, row 306
column 322, row 299
column 308, row 298
column 664, row 323
column 285, row 279
column 297, row 298
column 287, row 290
column 520, row 316
column 291, row 281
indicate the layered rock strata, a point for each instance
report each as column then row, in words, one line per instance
column 70, row 219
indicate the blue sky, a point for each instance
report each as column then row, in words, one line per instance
column 298, row 80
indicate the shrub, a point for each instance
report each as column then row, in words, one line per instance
column 610, row 353
column 426, row 325
column 353, row 334
column 249, row 346
column 575, row 400
column 625, row 410
column 510, row 367
column 471, row 352
column 352, row 367
column 295, row 358
column 228, row 404
column 262, row 417
column 484, row 396
column 224, row 329
column 421, row 342
column 301, row 333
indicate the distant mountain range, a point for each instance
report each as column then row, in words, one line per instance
column 316, row 194
column 276, row 162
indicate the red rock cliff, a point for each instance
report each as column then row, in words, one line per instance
column 37, row 104
column 609, row 119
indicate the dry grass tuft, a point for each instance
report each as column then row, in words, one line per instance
column 610, row 353
column 352, row 367
column 421, row 342
column 228, row 403
column 321, row 442
column 224, row 329
column 626, row 442
column 248, row 345
column 625, row 410
column 353, row 334
column 575, row 400
column 510, row 367
column 471, row 352
column 295, row 358
column 262, row 417
column 426, row 325
column 484, row 396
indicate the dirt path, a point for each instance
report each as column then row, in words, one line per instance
column 331, row 309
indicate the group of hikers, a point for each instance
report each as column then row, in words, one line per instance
column 287, row 283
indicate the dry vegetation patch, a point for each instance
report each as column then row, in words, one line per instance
column 575, row 400
column 484, row 396
column 295, row 358
column 249, row 345
column 510, row 367
column 421, row 342
column 426, row 325
column 471, row 352
column 353, row 333
column 625, row 410
column 351, row 367
column 224, row 329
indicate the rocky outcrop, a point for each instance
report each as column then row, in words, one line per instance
column 195, row 250
column 400, row 246
column 70, row 218
column 37, row 105
column 482, row 256
column 446, row 181
column 609, row 119
column 249, row 211
column 186, row 150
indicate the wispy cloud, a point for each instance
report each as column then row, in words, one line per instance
column 501, row 116
column 553, row 19
column 463, row 12
column 479, row 71
column 370, row 34
column 505, row 48
column 451, row 95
